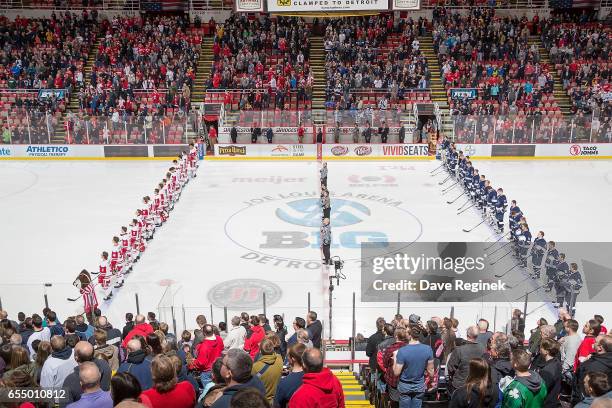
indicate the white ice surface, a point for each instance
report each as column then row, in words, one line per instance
column 59, row 216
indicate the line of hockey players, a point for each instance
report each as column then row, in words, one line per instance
column 325, row 222
column 563, row 277
column 129, row 245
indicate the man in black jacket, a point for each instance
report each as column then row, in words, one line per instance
column 84, row 352
column 551, row 372
column 314, row 328
column 499, row 358
column 373, row 342
column 129, row 325
column 236, row 371
column 459, row 361
column 599, row 362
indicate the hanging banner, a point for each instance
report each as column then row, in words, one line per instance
column 406, row 5
column 249, row 6
column 326, row 5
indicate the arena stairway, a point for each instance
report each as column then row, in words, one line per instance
column 438, row 91
column 59, row 135
column 563, row 100
column 317, row 64
column 203, row 71
column 354, row 391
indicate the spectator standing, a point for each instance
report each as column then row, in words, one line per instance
column 499, row 361
column 198, row 336
column 392, row 380
column 84, row 330
column 141, row 327
column 113, row 336
column 40, row 333
column 207, row 352
column 591, row 330
column 298, row 324
column 411, row 362
column 20, row 362
column 269, row 368
column 236, row 371
column 459, row 361
column 251, row 345
column 320, row 388
column 235, row 336
column 129, row 325
column 55, row 329
column 138, row 364
column 124, row 387
column 42, row 354
column 166, row 390
column 289, row 385
column 105, row 351
column 372, row 346
column 527, row 389
column 483, row 333
column 59, row 365
column 570, row 344
column 479, row 390
column 551, row 372
column 84, row 353
column 93, row 396
column 595, row 385
column 315, row 328
column 600, row 362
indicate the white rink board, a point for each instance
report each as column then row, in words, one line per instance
column 60, row 216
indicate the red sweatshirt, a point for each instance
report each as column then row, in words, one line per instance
column 208, row 351
column 142, row 329
column 584, row 350
column 318, row 390
column 182, row 396
column 251, row 345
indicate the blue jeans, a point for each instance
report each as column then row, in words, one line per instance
column 206, row 378
column 411, row 394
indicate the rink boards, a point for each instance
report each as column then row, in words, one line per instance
column 308, row 152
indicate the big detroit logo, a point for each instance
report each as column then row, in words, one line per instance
column 307, row 212
column 287, row 226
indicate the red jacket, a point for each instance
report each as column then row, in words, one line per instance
column 318, row 390
column 142, row 329
column 207, row 351
column 251, row 345
column 182, row 396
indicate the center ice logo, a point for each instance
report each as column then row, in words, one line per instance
column 307, row 212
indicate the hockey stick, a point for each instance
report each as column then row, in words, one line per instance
column 455, row 199
column 474, row 227
column 445, row 180
column 499, row 259
column 498, row 239
column 466, row 208
column 500, row 248
column 464, row 204
column 449, row 188
column 505, row 273
column 72, row 300
column 434, row 170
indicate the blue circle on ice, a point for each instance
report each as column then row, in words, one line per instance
column 307, row 212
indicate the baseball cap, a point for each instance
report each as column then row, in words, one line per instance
column 414, row 319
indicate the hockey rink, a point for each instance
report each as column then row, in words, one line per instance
column 243, row 229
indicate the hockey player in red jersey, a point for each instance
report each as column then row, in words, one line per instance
column 116, row 263
column 104, row 276
column 125, row 250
